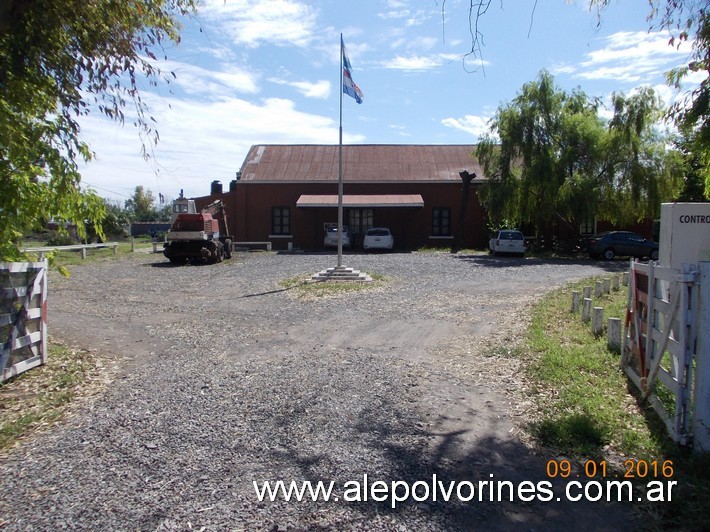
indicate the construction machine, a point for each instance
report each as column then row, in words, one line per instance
column 198, row 236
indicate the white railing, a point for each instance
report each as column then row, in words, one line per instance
column 81, row 247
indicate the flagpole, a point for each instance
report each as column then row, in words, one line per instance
column 340, row 163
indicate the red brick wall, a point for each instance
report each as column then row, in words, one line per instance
column 249, row 211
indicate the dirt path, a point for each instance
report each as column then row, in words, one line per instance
column 224, row 378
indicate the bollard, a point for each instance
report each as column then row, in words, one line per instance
column 598, row 321
column 575, row 301
column 133, row 244
column 598, row 289
column 615, row 283
column 83, row 253
column 607, row 285
column 625, row 279
column 613, row 335
column 587, row 291
column 586, row 309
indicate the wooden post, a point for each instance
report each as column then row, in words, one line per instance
column 613, row 334
column 598, row 289
column 83, row 252
column 598, row 321
column 615, row 283
column 701, row 404
column 625, row 278
column 115, row 248
column 586, row 309
column 587, row 291
column 575, row 301
column 607, row 285
column 133, row 244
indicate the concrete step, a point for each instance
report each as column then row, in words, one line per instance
column 341, row 273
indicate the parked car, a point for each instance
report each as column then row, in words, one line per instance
column 378, row 238
column 331, row 237
column 621, row 243
column 507, row 241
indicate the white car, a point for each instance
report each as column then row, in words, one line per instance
column 507, row 241
column 378, row 238
column 331, row 237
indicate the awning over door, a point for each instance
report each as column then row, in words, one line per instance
column 361, row 200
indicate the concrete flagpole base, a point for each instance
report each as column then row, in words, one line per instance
column 341, row 273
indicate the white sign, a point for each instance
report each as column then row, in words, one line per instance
column 685, row 234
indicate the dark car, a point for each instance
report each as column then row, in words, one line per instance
column 621, row 243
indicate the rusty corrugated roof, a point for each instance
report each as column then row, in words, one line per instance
column 367, row 163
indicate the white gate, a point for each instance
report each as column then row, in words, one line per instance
column 661, row 342
column 23, row 317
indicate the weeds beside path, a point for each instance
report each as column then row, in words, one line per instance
column 586, row 409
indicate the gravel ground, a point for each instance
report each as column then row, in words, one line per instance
column 218, row 377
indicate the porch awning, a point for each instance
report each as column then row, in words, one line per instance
column 361, row 200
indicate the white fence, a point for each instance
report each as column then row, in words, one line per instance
column 666, row 343
column 23, row 316
column 80, row 247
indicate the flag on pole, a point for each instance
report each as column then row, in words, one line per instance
column 349, row 86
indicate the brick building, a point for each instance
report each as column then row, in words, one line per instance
column 288, row 194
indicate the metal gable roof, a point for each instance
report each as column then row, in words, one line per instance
column 366, row 163
column 361, row 200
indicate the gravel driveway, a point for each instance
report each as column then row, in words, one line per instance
column 221, row 377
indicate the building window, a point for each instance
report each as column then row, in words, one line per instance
column 280, row 221
column 441, row 221
column 587, row 226
column 360, row 220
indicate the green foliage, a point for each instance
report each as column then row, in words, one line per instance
column 687, row 20
column 60, row 238
column 141, row 207
column 60, row 59
column 582, row 394
column 554, row 158
column 584, row 407
column 115, row 220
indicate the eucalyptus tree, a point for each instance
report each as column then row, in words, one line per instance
column 59, row 60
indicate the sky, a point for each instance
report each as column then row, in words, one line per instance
column 267, row 72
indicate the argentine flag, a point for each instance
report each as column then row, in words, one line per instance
column 349, row 86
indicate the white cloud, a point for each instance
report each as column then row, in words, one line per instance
column 401, row 11
column 413, row 63
column 416, row 43
column 474, row 125
column 211, row 83
column 199, row 142
column 256, row 22
column 397, row 14
column 319, row 89
column 628, row 57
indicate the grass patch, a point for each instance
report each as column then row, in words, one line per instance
column 586, row 407
column 41, row 395
column 305, row 288
column 590, row 408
